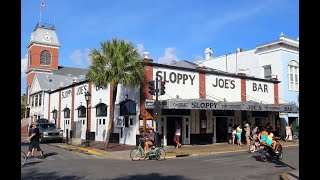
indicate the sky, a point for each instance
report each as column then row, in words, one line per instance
column 168, row 29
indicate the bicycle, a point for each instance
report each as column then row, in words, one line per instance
column 23, row 158
column 138, row 153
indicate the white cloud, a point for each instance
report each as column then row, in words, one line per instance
column 81, row 57
column 169, row 56
column 24, row 64
column 140, row 49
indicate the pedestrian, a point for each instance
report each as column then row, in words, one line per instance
column 289, row 132
column 177, row 135
column 238, row 132
column 255, row 131
column 247, row 134
column 234, row 134
column 230, row 129
column 34, row 141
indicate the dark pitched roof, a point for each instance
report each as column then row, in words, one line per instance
column 65, row 71
column 185, row 64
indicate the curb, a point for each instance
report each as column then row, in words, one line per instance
column 83, row 149
column 168, row 155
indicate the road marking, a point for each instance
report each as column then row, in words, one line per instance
column 84, row 156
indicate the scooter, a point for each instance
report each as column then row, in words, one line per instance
column 269, row 153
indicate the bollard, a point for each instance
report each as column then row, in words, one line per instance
column 67, row 136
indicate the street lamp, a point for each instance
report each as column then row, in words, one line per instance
column 87, row 96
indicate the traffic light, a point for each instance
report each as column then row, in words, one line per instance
column 151, row 87
column 163, row 88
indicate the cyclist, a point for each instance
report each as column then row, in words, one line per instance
column 149, row 140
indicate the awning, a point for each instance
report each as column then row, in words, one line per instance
column 214, row 105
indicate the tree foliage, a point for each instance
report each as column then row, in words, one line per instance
column 116, row 62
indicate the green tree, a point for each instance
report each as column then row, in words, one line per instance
column 23, row 105
column 117, row 62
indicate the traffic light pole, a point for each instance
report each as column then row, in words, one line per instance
column 157, row 107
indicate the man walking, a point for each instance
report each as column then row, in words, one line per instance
column 34, row 138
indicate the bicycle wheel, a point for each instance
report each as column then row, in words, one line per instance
column 160, row 154
column 135, row 154
column 23, row 158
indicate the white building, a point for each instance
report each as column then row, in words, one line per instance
column 278, row 59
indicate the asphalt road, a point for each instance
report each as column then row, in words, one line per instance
column 63, row 164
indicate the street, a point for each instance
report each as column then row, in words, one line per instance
column 63, row 164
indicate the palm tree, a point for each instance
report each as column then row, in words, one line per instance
column 117, row 62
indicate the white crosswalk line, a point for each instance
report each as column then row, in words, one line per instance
column 97, row 156
column 84, row 156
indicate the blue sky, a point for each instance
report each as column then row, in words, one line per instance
column 168, row 29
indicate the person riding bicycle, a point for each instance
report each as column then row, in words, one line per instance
column 149, row 140
column 263, row 135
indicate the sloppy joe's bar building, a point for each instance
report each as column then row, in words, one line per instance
column 202, row 100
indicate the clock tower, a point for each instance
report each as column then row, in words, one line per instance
column 43, row 52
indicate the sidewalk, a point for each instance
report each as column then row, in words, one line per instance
column 121, row 151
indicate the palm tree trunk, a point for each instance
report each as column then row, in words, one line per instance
column 111, row 119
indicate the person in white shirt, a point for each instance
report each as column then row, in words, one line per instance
column 177, row 135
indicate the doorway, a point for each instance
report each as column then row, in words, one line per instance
column 171, row 129
column 222, row 129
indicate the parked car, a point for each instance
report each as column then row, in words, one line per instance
column 48, row 131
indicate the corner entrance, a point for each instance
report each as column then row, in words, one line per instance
column 171, row 129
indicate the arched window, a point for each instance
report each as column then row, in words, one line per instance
column 101, row 109
column 54, row 114
column 66, row 112
column 45, row 58
column 293, row 75
column 82, row 111
column 30, row 58
column 128, row 108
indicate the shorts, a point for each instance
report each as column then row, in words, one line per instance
column 269, row 142
column 229, row 136
column 176, row 138
column 239, row 137
column 34, row 144
column 247, row 134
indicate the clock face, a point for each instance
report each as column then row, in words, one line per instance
column 47, row 37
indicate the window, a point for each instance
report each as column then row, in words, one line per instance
column 32, row 101
column 104, row 121
column 267, row 72
column 66, row 113
column 293, row 75
column 81, row 111
column 45, row 58
column 40, row 100
column 36, row 101
column 131, row 121
column 101, row 110
column 30, row 58
column 55, row 114
column 126, row 121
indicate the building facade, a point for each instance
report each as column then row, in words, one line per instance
column 202, row 100
column 278, row 59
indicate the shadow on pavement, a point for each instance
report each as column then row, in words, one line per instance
column 273, row 160
column 49, row 154
column 33, row 174
column 153, row 176
column 31, row 163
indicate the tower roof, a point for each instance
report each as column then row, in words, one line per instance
column 44, row 34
